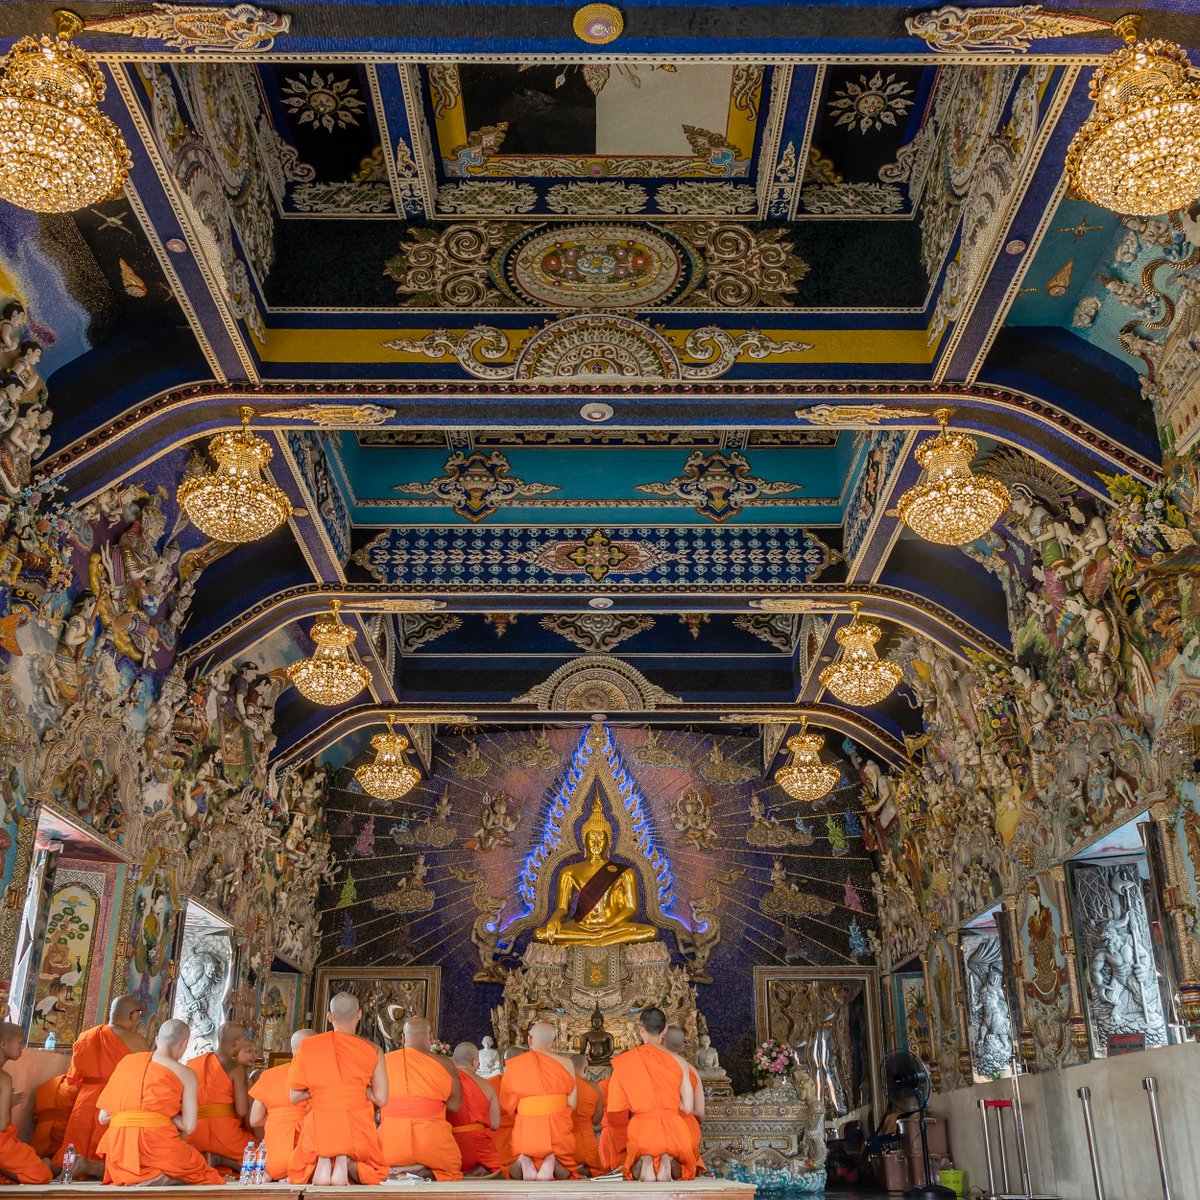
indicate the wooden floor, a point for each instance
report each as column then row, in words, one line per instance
column 468, row 1189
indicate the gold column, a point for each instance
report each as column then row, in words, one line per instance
column 966, row 1064
column 1174, row 896
column 1066, row 943
column 1014, row 963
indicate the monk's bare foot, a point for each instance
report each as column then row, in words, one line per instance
column 528, row 1170
column 546, row 1170
column 340, row 1175
column 666, row 1165
column 159, row 1180
column 561, row 1172
column 322, row 1173
column 479, row 1171
column 645, row 1169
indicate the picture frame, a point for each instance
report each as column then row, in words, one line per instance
column 388, row 995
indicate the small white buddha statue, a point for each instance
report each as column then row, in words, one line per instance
column 489, row 1059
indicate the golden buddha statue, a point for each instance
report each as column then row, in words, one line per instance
column 600, row 896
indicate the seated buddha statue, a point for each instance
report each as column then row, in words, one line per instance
column 597, row 898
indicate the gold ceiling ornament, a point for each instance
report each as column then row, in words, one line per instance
column 330, row 676
column 860, row 677
column 389, row 777
column 951, row 505
column 58, row 151
column 1138, row 152
column 806, row 777
column 235, row 503
column 598, row 24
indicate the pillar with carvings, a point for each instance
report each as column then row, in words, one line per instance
column 1075, row 1014
column 962, row 1005
column 1168, row 872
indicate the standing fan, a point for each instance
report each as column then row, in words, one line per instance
column 906, row 1082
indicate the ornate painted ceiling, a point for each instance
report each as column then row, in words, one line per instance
column 597, row 363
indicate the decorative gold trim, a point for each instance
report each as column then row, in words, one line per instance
column 589, row 24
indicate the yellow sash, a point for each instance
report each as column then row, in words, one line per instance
column 137, row 1119
column 541, row 1106
column 216, row 1110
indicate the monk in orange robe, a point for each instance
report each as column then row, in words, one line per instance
column 273, row 1113
column 422, row 1088
column 674, row 1042
column 149, row 1101
column 654, row 1085
column 478, row 1116
column 503, row 1133
column 94, row 1057
column 345, row 1079
column 589, row 1111
column 17, row 1160
column 52, row 1104
column 539, row 1089
column 224, row 1098
column 614, row 1132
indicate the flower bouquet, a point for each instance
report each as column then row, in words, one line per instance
column 772, row 1061
column 442, row 1048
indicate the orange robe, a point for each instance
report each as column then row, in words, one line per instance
column 614, row 1131
column 472, row 1127
column 535, row 1088
column 141, row 1141
column 281, row 1131
column 502, row 1134
column 693, row 1122
column 94, row 1057
column 413, row 1126
column 646, row 1081
column 587, row 1152
column 219, row 1130
column 336, row 1069
column 52, row 1104
column 19, row 1161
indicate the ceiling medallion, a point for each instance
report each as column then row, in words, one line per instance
column 598, row 24
column 596, row 411
column 860, row 677
column 389, row 777
column 806, row 777
column 1138, row 152
column 235, row 503
column 951, row 505
column 330, row 676
column 58, row 151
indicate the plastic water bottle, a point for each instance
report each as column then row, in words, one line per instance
column 246, row 1177
column 51, row 1040
column 260, row 1163
column 68, row 1168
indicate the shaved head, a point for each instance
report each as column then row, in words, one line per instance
column 512, row 1052
column 466, row 1055
column 171, row 1033
column 299, row 1036
column 580, row 1061
column 8, row 1031
column 230, row 1037
column 344, row 1009
column 125, row 1011
column 417, row 1033
column 653, row 1021
column 542, row 1035
column 674, row 1039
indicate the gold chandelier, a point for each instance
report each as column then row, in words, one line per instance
column 330, row 676
column 389, row 777
column 58, row 151
column 1138, row 152
column 235, row 503
column 951, row 505
column 860, row 677
column 806, row 777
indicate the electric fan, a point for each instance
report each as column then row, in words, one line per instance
column 906, row 1083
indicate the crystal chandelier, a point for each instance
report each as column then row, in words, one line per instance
column 58, row 151
column 235, row 503
column 389, row 777
column 951, row 505
column 860, row 677
column 1138, row 152
column 330, row 676
column 806, row 777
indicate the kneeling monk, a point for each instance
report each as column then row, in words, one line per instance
column 52, row 1104
column 422, row 1088
column 614, row 1132
column 94, row 1057
column 478, row 1117
column 224, row 1097
column 273, row 1112
column 539, row 1089
column 147, row 1104
column 17, row 1160
column 655, row 1086
column 589, row 1111
column 675, row 1041
column 344, row 1078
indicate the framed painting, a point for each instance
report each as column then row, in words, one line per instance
column 830, row 1016
column 388, row 995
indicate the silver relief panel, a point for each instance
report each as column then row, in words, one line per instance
column 987, row 1004
column 205, row 977
column 1117, row 955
